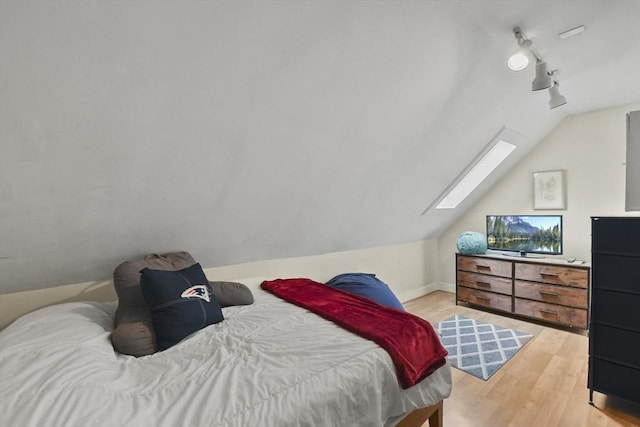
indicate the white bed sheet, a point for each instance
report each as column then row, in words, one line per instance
column 267, row 364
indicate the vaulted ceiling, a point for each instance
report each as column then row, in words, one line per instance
column 244, row 131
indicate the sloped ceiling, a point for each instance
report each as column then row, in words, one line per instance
column 244, row 131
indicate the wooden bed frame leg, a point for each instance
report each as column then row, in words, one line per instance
column 418, row 417
column 436, row 419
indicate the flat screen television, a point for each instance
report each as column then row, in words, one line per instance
column 538, row 234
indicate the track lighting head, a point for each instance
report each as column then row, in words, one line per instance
column 543, row 77
column 556, row 100
column 519, row 60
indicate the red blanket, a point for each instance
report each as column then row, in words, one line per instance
column 411, row 342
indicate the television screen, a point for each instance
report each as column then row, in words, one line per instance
column 540, row 234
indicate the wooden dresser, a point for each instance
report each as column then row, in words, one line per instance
column 552, row 291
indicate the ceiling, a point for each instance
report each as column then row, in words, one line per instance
column 245, row 131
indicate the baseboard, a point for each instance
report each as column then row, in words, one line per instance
column 426, row 289
column 417, row 292
column 447, row 287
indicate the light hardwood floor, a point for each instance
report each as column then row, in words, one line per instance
column 543, row 385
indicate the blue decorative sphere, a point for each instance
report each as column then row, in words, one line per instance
column 471, row 242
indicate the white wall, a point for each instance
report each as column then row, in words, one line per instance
column 256, row 130
column 239, row 130
column 408, row 269
column 591, row 148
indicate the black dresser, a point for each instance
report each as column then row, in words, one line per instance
column 614, row 332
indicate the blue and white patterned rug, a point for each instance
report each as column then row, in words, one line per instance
column 479, row 348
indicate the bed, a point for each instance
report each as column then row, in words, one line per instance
column 270, row 363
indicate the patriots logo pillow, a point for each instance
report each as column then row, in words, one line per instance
column 181, row 302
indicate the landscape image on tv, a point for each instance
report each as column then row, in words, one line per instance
column 535, row 234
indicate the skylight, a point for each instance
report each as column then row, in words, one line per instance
column 473, row 175
column 476, row 175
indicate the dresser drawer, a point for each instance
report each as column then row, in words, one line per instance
column 620, row 273
column 484, row 282
column 557, row 275
column 615, row 344
column 486, row 299
column 484, row 265
column 616, row 235
column 615, row 379
column 616, row 309
column 563, row 295
column 552, row 313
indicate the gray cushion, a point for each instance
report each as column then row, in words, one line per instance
column 133, row 331
column 133, row 328
column 232, row 293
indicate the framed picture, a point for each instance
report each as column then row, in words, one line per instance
column 549, row 190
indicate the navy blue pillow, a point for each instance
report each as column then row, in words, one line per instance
column 368, row 286
column 181, row 302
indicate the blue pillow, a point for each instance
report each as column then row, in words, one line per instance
column 368, row 286
column 181, row 302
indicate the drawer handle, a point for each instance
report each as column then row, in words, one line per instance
column 481, row 297
column 483, row 283
column 554, row 313
column 483, row 267
column 553, row 294
column 549, row 274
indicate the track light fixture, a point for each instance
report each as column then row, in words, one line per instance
column 556, row 100
column 519, row 60
column 544, row 79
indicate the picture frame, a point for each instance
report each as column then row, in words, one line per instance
column 549, row 191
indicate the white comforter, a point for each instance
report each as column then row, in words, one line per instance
column 267, row 364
